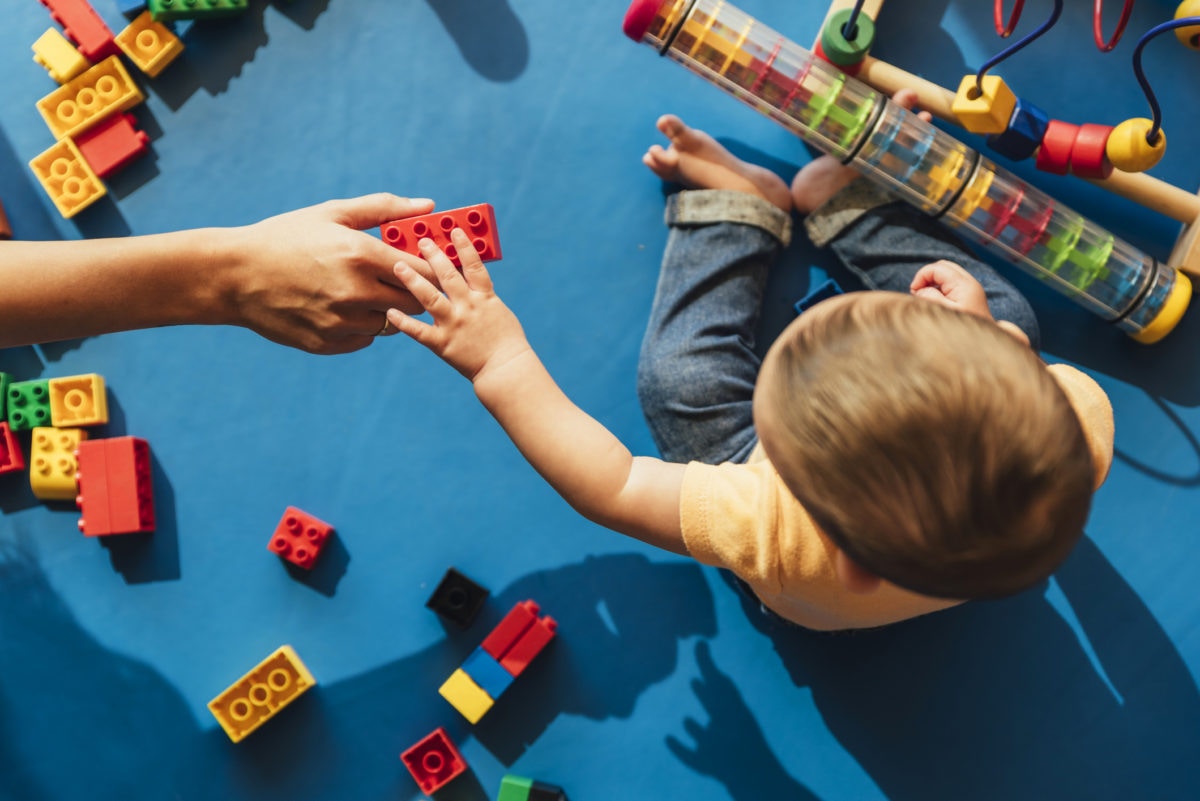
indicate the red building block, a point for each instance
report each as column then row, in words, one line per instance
column 115, row 491
column 530, row 645
column 477, row 222
column 519, row 619
column 83, row 26
column 12, row 458
column 434, row 761
column 112, row 144
column 299, row 537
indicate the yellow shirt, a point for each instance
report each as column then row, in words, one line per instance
column 743, row 517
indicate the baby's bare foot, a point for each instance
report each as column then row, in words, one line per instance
column 825, row 176
column 698, row 161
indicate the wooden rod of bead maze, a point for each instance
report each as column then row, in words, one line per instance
column 1186, row 254
column 1151, row 192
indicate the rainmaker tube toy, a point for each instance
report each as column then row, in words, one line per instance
column 916, row 162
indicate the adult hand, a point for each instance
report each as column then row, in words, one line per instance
column 949, row 284
column 313, row 279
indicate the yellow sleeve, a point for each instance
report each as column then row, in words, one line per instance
column 1095, row 413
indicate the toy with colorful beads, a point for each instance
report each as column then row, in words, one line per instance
column 916, row 161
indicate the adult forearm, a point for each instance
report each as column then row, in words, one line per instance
column 64, row 290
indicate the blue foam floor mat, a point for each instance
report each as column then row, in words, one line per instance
column 661, row 683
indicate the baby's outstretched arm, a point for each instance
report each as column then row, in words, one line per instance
column 478, row 335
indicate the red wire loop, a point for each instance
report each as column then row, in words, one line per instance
column 1005, row 30
column 1098, row 25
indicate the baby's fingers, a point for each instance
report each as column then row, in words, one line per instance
column 474, row 272
column 430, row 298
column 424, row 333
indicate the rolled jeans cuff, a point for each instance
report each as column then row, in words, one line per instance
column 708, row 206
column 838, row 213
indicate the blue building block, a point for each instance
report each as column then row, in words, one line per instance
column 1024, row 134
column 825, row 291
column 485, row 671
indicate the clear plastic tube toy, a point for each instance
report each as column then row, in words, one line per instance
column 916, row 161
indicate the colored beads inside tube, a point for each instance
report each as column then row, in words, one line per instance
column 914, row 160
column 761, row 68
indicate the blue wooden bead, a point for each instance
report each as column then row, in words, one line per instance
column 1025, row 130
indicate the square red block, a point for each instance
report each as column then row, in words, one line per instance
column 434, row 761
column 299, row 537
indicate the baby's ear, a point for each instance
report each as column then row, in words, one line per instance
column 853, row 577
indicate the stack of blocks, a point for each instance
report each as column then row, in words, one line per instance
column 503, row 655
column 115, row 491
column 85, row 114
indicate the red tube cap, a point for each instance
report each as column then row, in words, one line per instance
column 639, row 16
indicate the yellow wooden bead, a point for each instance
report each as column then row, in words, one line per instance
column 987, row 111
column 1128, row 149
column 1188, row 34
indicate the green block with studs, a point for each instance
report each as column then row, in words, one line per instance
column 5, row 380
column 28, row 404
column 168, row 10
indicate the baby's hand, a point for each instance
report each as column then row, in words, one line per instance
column 949, row 284
column 472, row 328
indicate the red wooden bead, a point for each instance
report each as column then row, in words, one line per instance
column 1055, row 153
column 1088, row 158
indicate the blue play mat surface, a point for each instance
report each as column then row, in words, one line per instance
column 661, row 683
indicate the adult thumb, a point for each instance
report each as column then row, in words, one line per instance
column 369, row 211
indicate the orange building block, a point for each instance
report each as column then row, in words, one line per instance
column 52, row 468
column 259, row 695
column 78, row 400
column 65, row 175
column 90, row 97
column 478, row 222
column 115, row 491
column 149, row 44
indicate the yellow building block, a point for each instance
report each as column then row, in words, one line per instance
column 58, row 56
column 256, row 697
column 149, row 44
column 466, row 696
column 88, row 98
column 984, row 112
column 78, row 400
column 67, row 178
column 52, row 463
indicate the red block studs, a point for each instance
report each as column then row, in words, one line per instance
column 434, row 761
column 12, row 459
column 477, row 222
column 299, row 537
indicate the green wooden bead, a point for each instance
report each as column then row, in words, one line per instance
column 847, row 51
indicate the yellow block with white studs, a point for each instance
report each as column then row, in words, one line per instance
column 986, row 109
column 58, row 56
column 466, row 696
column 1188, row 34
column 149, row 44
column 1128, row 149
column 52, row 465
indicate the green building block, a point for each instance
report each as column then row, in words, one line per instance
column 5, row 380
column 167, row 10
column 514, row 788
column 28, row 404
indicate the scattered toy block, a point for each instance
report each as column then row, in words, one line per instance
column 116, row 494
column 509, row 630
column 434, row 761
column 167, row 10
column 457, row 598
column 83, row 26
column 985, row 108
column 519, row 788
column 89, row 97
column 78, row 400
column 112, row 144
column 149, row 44
column 531, row 643
column 58, row 56
column 299, row 537
column 487, row 673
column 1054, row 154
column 478, row 222
column 471, row 701
column 28, row 404
column 67, row 178
column 52, row 466
column 12, row 459
column 259, row 695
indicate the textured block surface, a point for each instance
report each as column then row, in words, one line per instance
column 52, row 467
column 89, row 97
column 67, row 178
column 78, row 400
column 434, row 761
column 28, row 404
column 149, row 44
column 299, row 537
column 259, row 695
column 478, row 222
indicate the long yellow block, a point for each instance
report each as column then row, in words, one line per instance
column 88, row 98
column 259, row 695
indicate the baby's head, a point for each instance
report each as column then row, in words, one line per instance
column 933, row 449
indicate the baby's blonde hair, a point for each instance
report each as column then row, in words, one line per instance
column 934, row 449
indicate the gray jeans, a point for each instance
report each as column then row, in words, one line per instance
column 698, row 364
